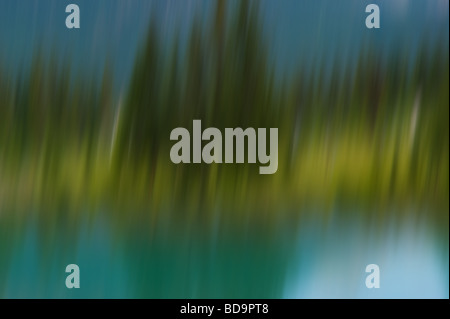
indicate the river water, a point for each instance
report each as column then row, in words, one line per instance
column 312, row 259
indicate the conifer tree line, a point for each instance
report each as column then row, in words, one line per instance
column 377, row 131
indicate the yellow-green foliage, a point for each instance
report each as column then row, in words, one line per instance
column 376, row 136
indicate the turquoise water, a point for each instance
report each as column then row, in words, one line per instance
column 313, row 259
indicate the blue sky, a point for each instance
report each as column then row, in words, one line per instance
column 299, row 31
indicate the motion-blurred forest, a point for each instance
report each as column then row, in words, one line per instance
column 374, row 135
